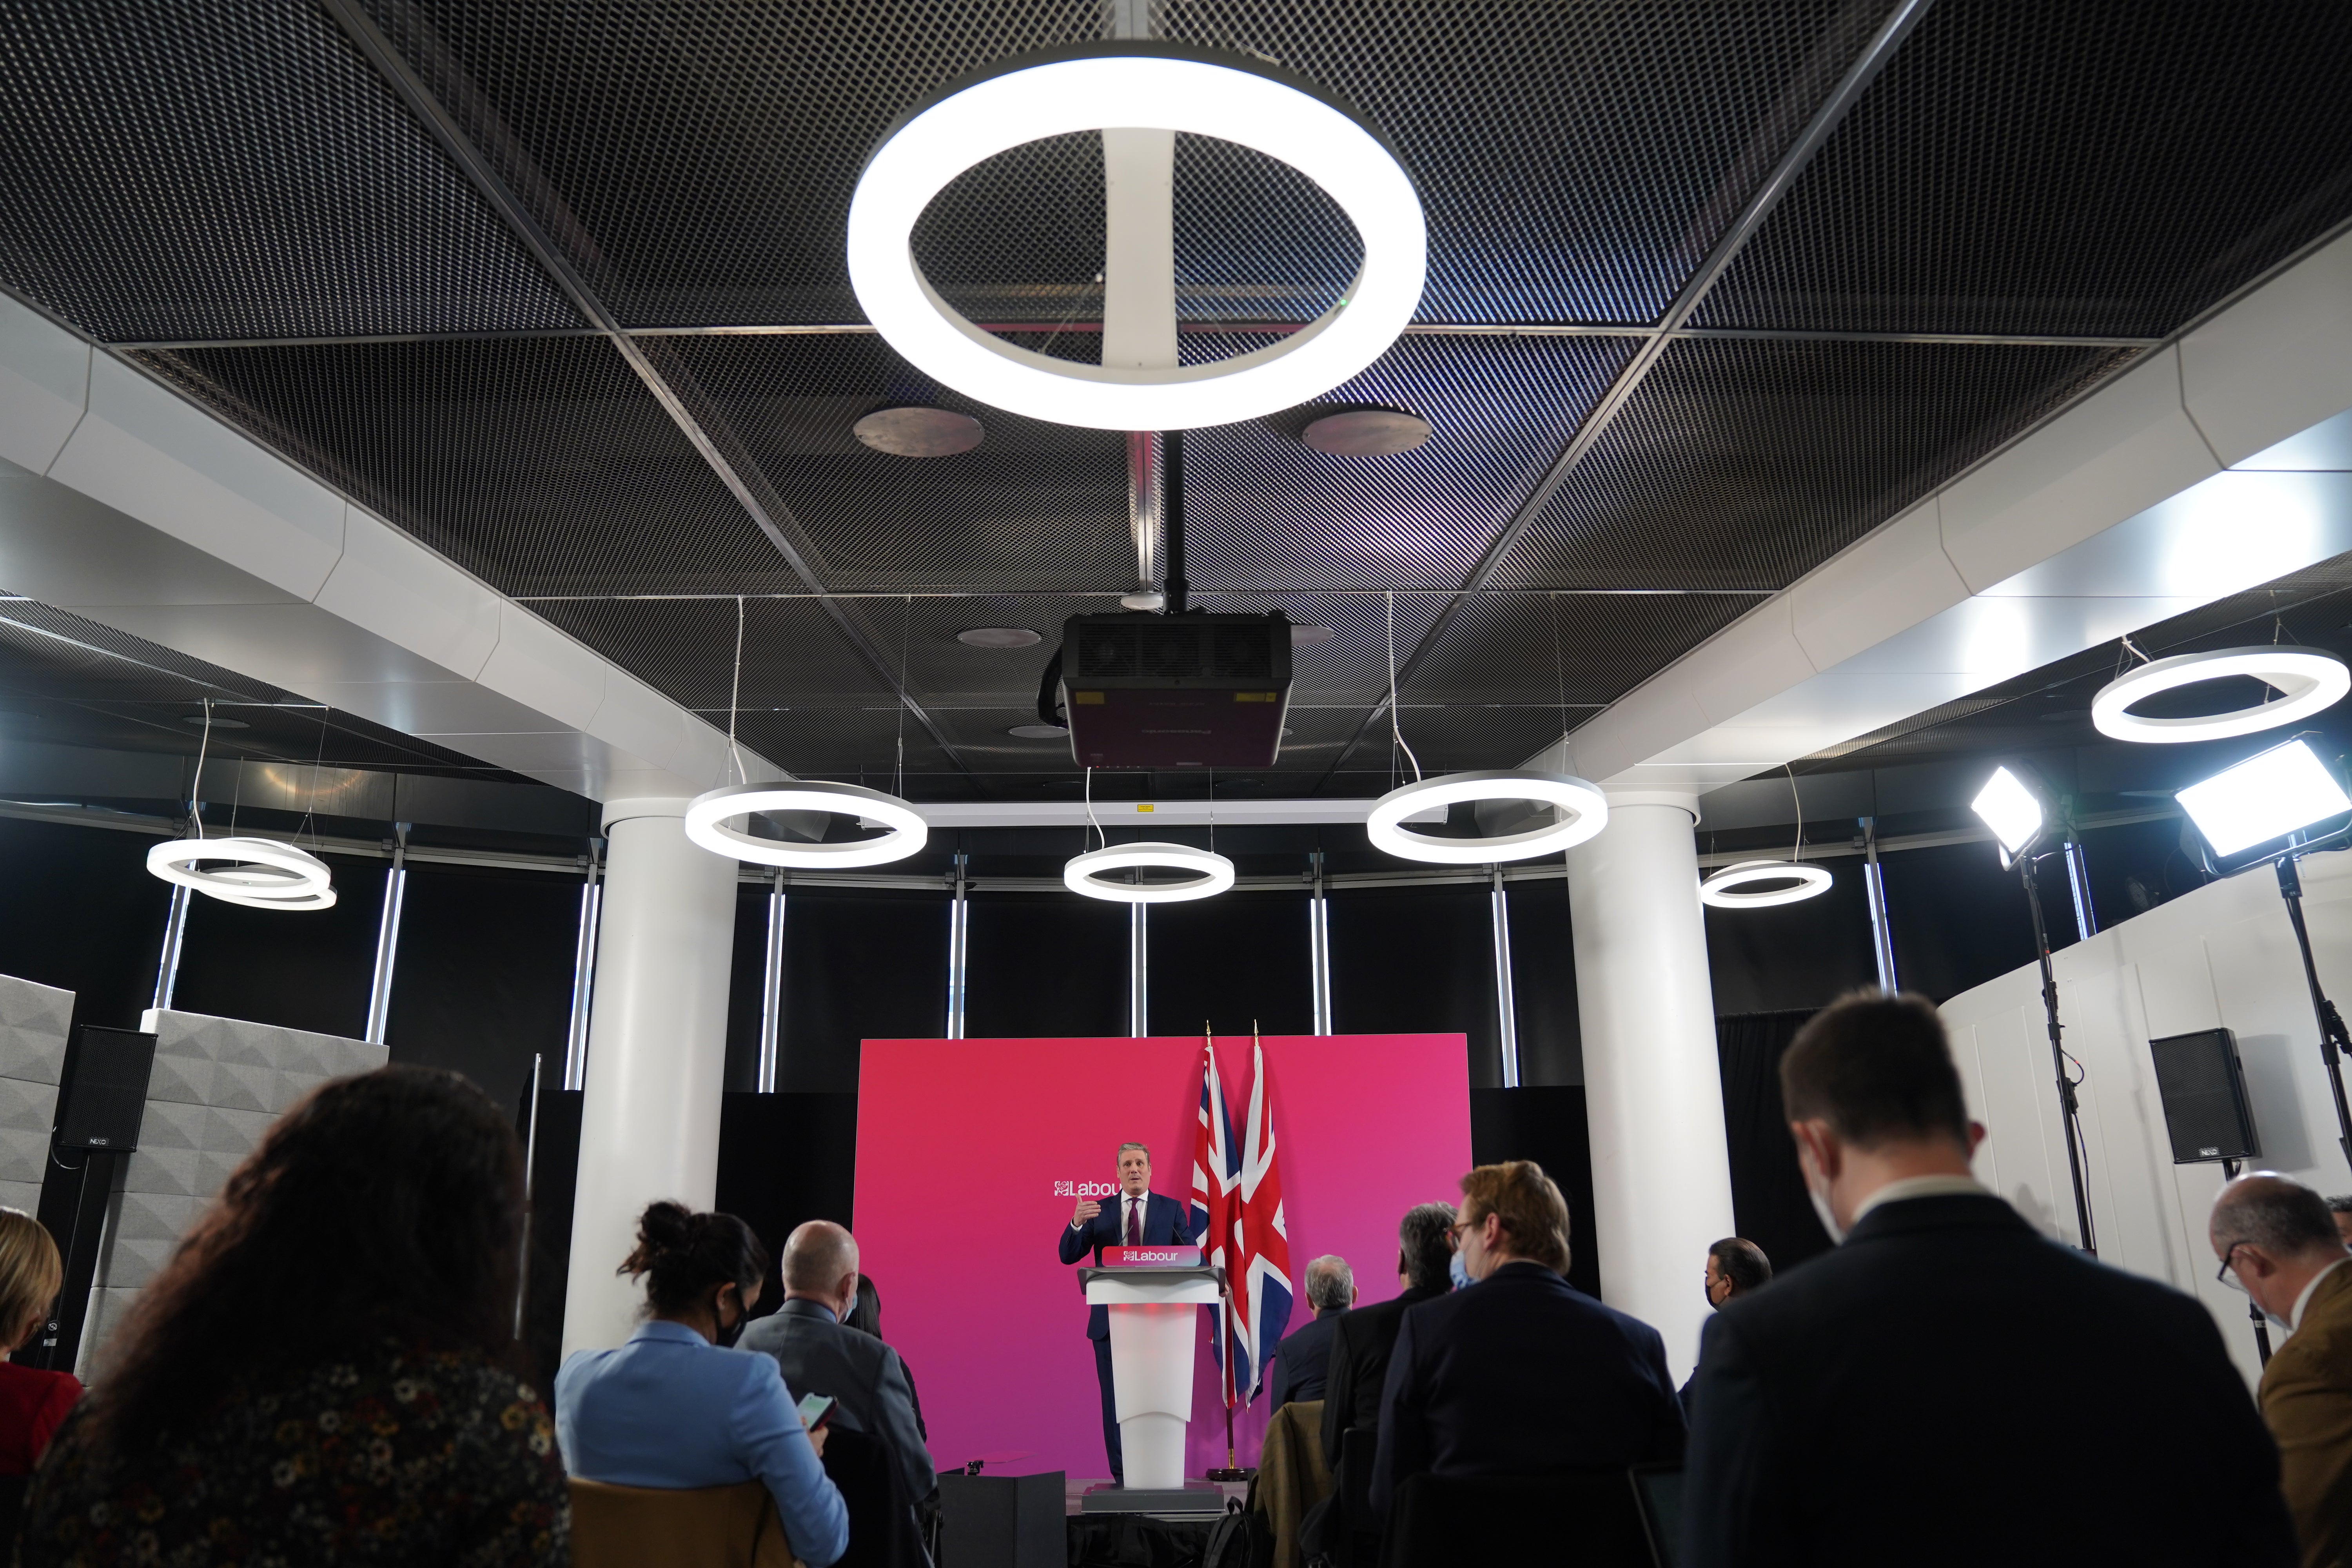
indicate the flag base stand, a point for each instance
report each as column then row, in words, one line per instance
column 1230, row 1473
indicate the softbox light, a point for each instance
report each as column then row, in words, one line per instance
column 2012, row 811
column 2267, row 797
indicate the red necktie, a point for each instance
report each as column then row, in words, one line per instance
column 1134, row 1226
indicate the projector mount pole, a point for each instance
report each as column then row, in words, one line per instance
column 2333, row 1040
column 2069, row 1109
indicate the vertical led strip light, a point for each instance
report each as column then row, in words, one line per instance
column 771, row 989
column 1507, row 1022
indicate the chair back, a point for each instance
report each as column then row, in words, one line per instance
column 1580, row 1518
column 883, row 1530
column 12, row 1506
column 697, row 1526
column 1291, row 1476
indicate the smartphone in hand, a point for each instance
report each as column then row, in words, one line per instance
column 815, row 1409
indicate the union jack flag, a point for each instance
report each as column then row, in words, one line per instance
column 1261, row 1243
column 1216, row 1201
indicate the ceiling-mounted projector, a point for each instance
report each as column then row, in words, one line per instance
column 1170, row 691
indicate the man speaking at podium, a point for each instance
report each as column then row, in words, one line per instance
column 1137, row 1217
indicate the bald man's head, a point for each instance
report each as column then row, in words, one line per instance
column 818, row 1255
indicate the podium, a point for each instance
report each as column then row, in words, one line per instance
column 1153, row 1297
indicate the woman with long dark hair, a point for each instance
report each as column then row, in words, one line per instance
column 678, row 1407
column 319, row 1375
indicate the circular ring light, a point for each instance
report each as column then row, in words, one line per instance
column 1585, row 809
column 259, row 873
column 708, row 822
column 1210, row 873
column 2307, row 683
column 1719, row 888
column 1139, row 85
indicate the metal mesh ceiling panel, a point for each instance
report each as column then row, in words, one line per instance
column 1571, row 648
column 859, row 744
column 233, row 168
column 542, row 466
column 1445, row 740
column 1744, row 464
column 1266, row 513
column 2102, row 169
column 1019, row 237
column 1034, row 506
column 697, row 158
column 1576, row 161
column 685, row 648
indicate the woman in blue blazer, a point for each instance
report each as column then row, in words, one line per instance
column 678, row 1407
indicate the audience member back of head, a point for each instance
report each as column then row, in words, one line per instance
column 1947, row 1386
column 1521, row 1374
column 319, row 1375
column 33, row 1402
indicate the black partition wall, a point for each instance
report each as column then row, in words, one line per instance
column 1804, row 954
column 1543, row 986
column 1229, row 963
column 83, row 914
column 857, row 966
column 1417, row 960
column 298, row 969
column 483, row 979
column 1039, row 965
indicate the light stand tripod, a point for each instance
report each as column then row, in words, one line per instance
column 2333, row 1040
column 2069, row 1110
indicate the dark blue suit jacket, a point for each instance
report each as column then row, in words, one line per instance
column 1164, row 1225
column 1522, row 1375
column 1948, row 1387
column 1302, row 1360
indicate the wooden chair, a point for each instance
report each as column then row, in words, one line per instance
column 701, row 1527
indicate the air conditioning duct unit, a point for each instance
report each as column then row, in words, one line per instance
column 1190, row 690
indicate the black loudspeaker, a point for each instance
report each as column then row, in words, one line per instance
column 2204, row 1095
column 104, row 1096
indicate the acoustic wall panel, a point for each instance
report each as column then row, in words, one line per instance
column 34, row 1022
column 218, row 1085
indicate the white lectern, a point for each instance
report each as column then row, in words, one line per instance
column 1152, row 1313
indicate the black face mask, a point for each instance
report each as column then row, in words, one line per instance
column 730, row 1333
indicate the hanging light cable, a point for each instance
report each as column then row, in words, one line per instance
column 258, row 873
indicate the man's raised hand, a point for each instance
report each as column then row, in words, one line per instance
column 1088, row 1208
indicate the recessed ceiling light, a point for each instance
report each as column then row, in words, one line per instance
column 1307, row 636
column 919, row 432
column 1366, row 433
column 218, row 723
column 998, row 637
column 1038, row 732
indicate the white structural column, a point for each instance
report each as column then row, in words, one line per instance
column 656, row 1053
column 1654, row 1093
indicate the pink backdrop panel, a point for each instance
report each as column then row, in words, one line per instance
column 966, row 1151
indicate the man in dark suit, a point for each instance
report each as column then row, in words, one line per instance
column 1301, row 1359
column 1735, row 1266
column 1522, row 1375
column 1947, row 1386
column 1136, row 1216
column 1362, row 1340
column 811, row 1340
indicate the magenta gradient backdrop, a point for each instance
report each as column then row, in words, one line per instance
column 961, row 1145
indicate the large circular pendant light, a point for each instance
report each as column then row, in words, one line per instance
column 2306, row 681
column 1141, row 85
column 710, row 819
column 1205, row 873
column 259, row 873
column 1584, row 812
column 1784, row 883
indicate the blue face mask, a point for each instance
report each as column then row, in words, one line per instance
column 1461, row 1273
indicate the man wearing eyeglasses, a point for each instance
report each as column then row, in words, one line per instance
column 2278, row 1243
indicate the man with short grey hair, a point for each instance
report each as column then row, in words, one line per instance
column 2277, row 1242
column 1302, row 1359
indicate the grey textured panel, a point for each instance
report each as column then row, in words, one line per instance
column 1744, row 464
column 232, row 168
column 1036, row 506
column 35, row 1020
column 541, row 467
column 1266, row 511
column 1565, row 648
column 2062, row 169
column 23, row 1197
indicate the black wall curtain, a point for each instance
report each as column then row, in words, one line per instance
column 1408, row 961
column 1543, row 986
column 1043, row 965
column 1227, row 961
column 857, row 967
column 1802, row 956
column 83, row 913
column 306, row 968
column 783, row 1158
column 1548, row 1126
column 1959, row 919
column 554, row 1178
column 1768, row 1192
column 746, row 976
column 483, row 979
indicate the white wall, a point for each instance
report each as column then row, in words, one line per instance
column 2221, row 956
